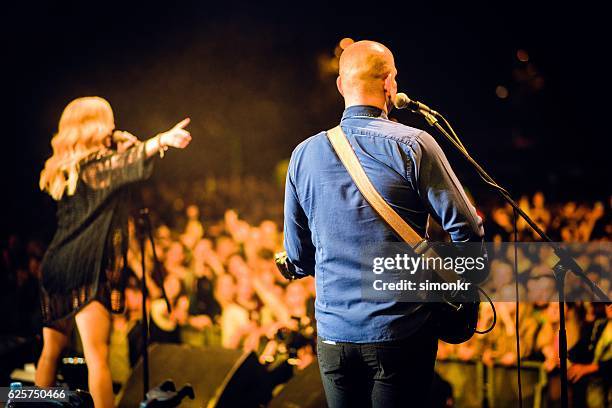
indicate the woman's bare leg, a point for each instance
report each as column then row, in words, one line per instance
column 94, row 323
column 54, row 342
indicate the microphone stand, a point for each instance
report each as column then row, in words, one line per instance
column 144, row 232
column 563, row 263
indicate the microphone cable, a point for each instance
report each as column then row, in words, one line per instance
column 516, row 315
column 456, row 141
column 454, row 138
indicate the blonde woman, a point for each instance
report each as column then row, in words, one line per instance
column 89, row 175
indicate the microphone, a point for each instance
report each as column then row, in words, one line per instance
column 402, row 101
column 121, row 136
column 122, row 140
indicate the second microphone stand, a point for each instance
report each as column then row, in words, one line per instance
column 563, row 263
column 144, row 233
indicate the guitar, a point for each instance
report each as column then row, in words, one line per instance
column 455, row 315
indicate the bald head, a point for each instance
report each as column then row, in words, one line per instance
column 367, row 74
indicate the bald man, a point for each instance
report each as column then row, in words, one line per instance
column 371, row 353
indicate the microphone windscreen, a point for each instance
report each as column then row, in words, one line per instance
column 401, row 100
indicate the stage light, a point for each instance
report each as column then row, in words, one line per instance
column 501, row 92
column 345, row 42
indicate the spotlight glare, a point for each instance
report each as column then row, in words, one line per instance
column 522, row 55
column 501, row 92
column 345, row 42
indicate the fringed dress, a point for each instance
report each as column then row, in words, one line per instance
column 87, row 257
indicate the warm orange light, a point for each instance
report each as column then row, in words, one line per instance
column 501, row 92
column 345, row 42
column 522, row 55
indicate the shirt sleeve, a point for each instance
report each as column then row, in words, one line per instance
column 443, row 194
column 297, row 238
column 115, row 170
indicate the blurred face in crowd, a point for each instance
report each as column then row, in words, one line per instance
column 203, row 248
column 552, row 312
column 501, row 217
column 519, row 253
column 501, row 273
column 603, row 260
column 237, row 267
column 485, row 313
column 266, row 274
column 225, row 289
column 226, row 247
column 548, row 288
column 193, row 212
column 255, row 235
column 295, row 295
column 567, row 235
column 268, row 228
column 569, row 209
column 598, row 209
column 172, row 286
column 133, row 299
column 204, row 271
column 508, row 294
column 34, row 267
column 604, row 284
column 241, row 230
column 545, row 252
column 538, row 200
column 541, row 290
column 245, row 289
column 309, row 285
column 231, row 218
column 175, row 254
column 163, row 236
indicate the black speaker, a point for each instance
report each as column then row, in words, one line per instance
column 220, row 377
column 304, row 390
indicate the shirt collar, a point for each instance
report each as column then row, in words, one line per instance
column 363, row 111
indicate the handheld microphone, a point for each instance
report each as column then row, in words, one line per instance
column 121, row 140
column 121, row 136
column 402, row 101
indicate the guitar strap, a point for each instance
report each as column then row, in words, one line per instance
column 349, row 159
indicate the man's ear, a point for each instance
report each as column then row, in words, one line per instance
column 339, row 85
column 388, row 85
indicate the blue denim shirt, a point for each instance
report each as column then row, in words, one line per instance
column 327, row 220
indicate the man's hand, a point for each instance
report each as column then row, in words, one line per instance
column 508, row 359
column 577, row 371
column 200, row 322
column 550, row 364
column 284, row 266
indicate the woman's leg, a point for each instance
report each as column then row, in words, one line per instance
column 54, row 343
column 94, row 323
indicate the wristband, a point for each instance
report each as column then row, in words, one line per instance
column 162, row 149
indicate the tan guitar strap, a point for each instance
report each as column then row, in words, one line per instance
column 349, row 159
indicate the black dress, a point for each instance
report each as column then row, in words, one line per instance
column 86, row 258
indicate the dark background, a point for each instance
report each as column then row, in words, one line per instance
column 249, row 77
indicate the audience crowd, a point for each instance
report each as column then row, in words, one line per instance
column 215, row 242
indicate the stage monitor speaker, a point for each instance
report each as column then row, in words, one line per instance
column 304, row 390
column 219, row 377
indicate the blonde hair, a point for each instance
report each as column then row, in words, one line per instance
column 83, row 128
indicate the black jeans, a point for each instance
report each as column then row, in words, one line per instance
column 387, row 374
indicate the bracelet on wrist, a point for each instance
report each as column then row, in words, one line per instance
column 161, row 148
